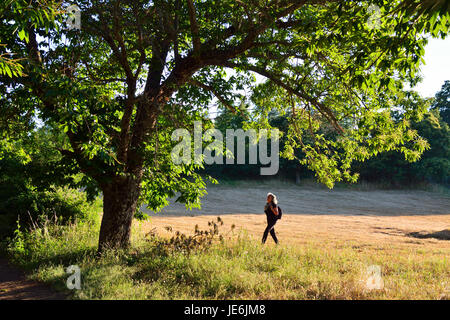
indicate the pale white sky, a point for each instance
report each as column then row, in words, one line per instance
column 437, row 67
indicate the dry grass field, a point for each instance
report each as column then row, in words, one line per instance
column 330, row 242
column 365, row 231
column 311, row 215
column 404, row 232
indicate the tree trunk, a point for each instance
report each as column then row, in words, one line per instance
column 120, row 199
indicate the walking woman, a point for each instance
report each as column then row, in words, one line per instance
column 271, row 211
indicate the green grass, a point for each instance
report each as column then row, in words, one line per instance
column 232, row 269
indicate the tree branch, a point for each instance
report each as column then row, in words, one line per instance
column 214, row 92
column 194, row 26
column 277, row 80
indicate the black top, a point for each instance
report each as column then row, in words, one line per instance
column 268, row 211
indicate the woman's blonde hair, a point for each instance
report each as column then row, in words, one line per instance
column 274, row 197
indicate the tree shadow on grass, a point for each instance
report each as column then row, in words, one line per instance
column 440, row 235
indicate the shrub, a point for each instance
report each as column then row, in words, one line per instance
column 201, row 240
column 31, row 181
column 33, row 207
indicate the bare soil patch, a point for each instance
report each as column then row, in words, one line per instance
column 15, row 286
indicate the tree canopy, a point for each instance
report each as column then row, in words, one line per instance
column 139, row 69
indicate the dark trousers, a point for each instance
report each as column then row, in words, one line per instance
column 270, row 228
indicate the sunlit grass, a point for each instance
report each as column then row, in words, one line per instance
column 233, row 269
